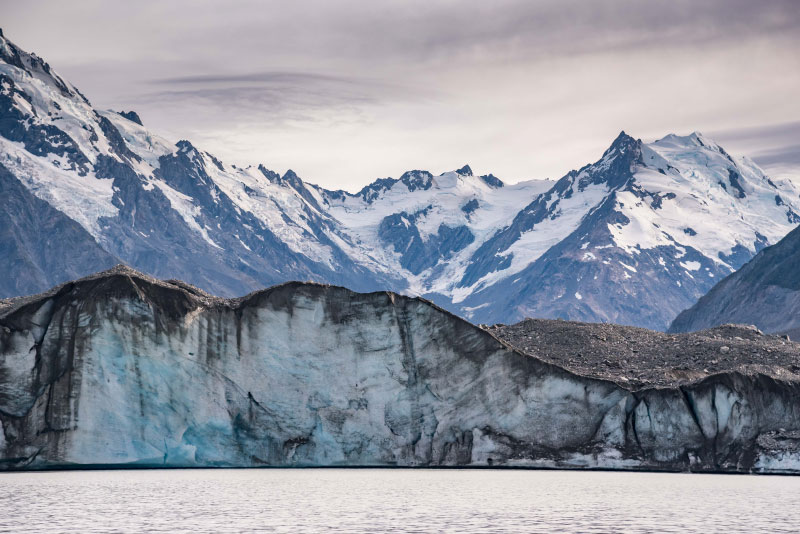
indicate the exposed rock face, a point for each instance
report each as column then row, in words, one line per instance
column 39, row 245
column 121, row 369
column 765, row 292
column 132, row 116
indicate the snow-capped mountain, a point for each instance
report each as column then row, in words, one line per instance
column 166, row 208
column 426, row 226
column 637, row 236
column 633, row 238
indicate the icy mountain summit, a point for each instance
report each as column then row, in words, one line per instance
column 633, row 238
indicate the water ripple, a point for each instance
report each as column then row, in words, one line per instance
column 394, row 500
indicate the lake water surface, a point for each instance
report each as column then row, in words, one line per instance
column 394, row 500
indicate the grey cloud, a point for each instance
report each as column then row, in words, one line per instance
column 291, row 78
column 521, row 28
column 278, row 96
column 581, row 27
column 421, row 30
column 273, row 104
column 772, row 146
column 779, row 157
column 781, row 132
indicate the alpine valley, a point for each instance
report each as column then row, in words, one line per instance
column 633, row 238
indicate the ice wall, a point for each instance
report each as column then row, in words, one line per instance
column 123, row 370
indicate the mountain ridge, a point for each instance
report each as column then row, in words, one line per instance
column 764, row 292
column 602, row 243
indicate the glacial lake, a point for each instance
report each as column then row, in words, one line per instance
column 394, row 500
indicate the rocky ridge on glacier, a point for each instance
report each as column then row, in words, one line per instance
column 123, row 370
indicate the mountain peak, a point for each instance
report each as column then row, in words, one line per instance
column 466, row 170
column 185, row 146
column 694, row 139
column 272, row 176
column 622, row 144
column 623, row 139
column 290, row 178
column 132, row 116
column 35, row 66
column 492, row 181
column 417, row 179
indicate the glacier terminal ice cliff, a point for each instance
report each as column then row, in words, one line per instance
column 122, row 370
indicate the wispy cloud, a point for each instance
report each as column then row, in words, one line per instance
column 278, row 98
column 775, row 147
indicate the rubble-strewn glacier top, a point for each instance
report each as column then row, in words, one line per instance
column 637, row 357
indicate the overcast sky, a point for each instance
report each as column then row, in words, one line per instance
column 344, row 92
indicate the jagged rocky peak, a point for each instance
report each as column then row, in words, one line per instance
column 132, row 116
column 270, row 175
column 489, row 179
column 290, row 177
column 492, row 181
column 466, row 170
column 417, row 179
column 413, row 180
column 622, row 144
column 185, row 146
column 188, row 154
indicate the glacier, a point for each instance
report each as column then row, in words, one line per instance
column 123, row 370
